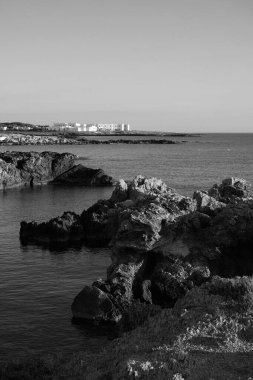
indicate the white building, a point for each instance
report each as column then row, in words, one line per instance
column 60, row 127
column 123, row 128
column 106, row 126
column 101, row 127
column 92, row 128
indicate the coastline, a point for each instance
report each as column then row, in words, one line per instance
column 28, row 139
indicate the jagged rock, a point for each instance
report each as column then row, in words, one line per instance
column 172, row 278
column 29, row 168
column 81, row 175
column 94, row 305
column 64, row 229
column 207, row 204
column 223, row 242
column 120, row 193
column 100, row 223
column 121, row 279
column 142, row 188
column 9, row 175
column 230, row 189
column 118, row 288
column 138, row 229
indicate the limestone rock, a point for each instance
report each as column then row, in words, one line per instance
column 229, row 189
column 120, row 193
column 121, row 278
column 207, row 204
column 141, row 188
column 9, row 175
column 138, row 229
column 30, row 168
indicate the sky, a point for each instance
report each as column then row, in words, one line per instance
column 160, row 65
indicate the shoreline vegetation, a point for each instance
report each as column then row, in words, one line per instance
column 179, row 288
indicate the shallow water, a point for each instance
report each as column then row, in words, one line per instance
column 37, row 286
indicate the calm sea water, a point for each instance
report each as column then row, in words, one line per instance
column 37, row 286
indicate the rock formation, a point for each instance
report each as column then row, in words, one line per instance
column 65, row 229
column 81, row 175
column 182, row 273
column 162, row 244
column 32, row 168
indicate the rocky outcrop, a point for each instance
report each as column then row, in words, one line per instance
column 177, row 243
column 61, row 230
column 81, row 175
column 33, row 168
column 30, row 168
column 164, row 244
column 229, row 189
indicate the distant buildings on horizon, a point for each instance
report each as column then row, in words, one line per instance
column 99, row 127
column 67, row 127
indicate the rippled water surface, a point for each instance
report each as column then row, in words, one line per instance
column 37, row 286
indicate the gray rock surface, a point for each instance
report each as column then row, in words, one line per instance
column 31, row 168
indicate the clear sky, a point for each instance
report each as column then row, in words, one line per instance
column 170, row 65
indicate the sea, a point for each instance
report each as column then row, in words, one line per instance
column 38, row 285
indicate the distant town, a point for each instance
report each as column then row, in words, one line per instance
column 99, row 128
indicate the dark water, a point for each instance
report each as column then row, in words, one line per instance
column 37, row 286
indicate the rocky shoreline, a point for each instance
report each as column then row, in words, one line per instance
column 33, row 168
column 181, row 267
column 22, row 139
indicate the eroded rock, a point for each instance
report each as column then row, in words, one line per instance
column 30, row 168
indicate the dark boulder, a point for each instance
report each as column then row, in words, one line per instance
column 94, row 305
column 173, row 277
